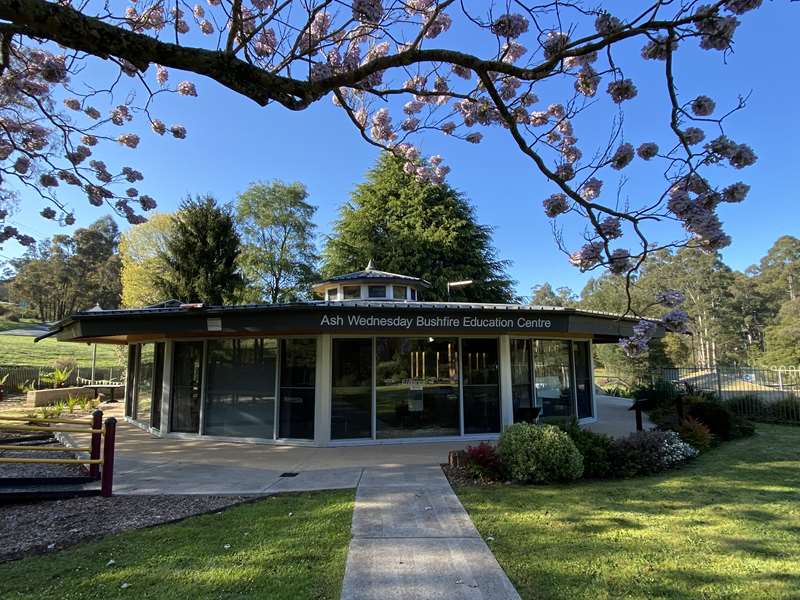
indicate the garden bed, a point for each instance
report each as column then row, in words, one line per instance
column 52, row 525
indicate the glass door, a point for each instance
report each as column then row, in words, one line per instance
column 583, row 378
column 297, row 388
column 351, row 401
column 158, row 379
column 187, row 381
column 481, row 385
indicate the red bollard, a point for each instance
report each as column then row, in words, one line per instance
column 107, row 479
column 97, row 423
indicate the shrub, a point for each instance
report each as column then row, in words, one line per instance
column 483, row 461
column 595, row 449
column 13, row 318
column 696, row 434
column 720, row 420
column 539, row 454
column 785, row 410
column 648, row 452
column 72, row 402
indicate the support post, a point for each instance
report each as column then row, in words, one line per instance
column 97, row 423
column 639, row 425
column 719, row 383
column 107, row 479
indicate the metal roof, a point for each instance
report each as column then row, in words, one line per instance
column 370, row 273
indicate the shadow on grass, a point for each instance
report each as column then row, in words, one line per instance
column 724, row 526
column 284, row 547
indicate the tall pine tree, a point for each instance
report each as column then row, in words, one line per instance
column 201, row 254
column 421, row 229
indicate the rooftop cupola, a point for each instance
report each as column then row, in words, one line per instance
column 371, row 284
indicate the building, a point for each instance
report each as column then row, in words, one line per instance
column 371, row 362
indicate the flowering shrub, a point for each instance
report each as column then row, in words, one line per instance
column 648, row 452
column 595, row 449
column 539, row 454
column 696, row 434
column 483, row 461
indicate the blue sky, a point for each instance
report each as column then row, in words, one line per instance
column 232, row 142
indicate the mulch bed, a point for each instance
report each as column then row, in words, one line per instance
column 48, row 526
column 461, row 477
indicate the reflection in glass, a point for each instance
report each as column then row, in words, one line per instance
column 144, row 383
column 583, row 379
column 240, row 387
column 187, row 377
column 351, row 292
column 481, row 378
column 416, row 387
column 158, row 381
column 351, row 410
column 522, row 381
column 130, row 379
column 399, row 292
column 298, row 373
column 552, row 367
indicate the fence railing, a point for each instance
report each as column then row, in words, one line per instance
column 771, row 394
column 21, row 375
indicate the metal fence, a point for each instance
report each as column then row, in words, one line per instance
column 20, row 376
column 770, row 394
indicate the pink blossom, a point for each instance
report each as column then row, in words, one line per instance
column 474, row 138
column 736, row 192
column 620, row 261
column 206, row 27
column 647, row 150
column 554, row 43
column 610, row 228
column 92, row 112
column 555, row 205
column 587, row 81
column 565, row 171
column 510, row 26
column 658, row 48
column 368, row 11
column 622, row 157
column 120, row 115
column 48, row 213
column 157, row 125
column 72, row 104
column 382, row 126
column 178, row 131
column 22, row 164
column 131, row 192
column 607, row 24
column 716, row 32
column 740, row 7
column 693, row 135
column 266, row 42
column 132, row 175
column 621, row 90
column 162, row 75
column 131, row 140
column 703, row 106
column 146, row 202
column 47, row 180
column 591, row 189
column 448, row 128
column 539, row 118
column 588, row 256
column 441, row 23
column 512, row 51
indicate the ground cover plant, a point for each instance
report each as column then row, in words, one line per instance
column 724, row 526
column 285, row 547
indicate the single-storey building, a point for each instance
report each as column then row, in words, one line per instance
column 371, row 362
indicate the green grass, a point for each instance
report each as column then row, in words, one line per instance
column 5, row 324
column 727, row 526
column 20, row 350
column 272, row 555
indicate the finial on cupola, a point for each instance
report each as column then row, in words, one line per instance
column 370, row 266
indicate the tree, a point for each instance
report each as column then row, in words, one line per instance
column 141, row 249
column 783, row 338
column 70, row 273
column 278, row 254
column 544, row 295
column 363, row 54
column 201, row 254
column 416, row 228
column 778, row 273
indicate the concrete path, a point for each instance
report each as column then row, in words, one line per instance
column 615, row 418
column 412, row 540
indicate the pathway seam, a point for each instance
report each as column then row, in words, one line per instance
column 412, row 539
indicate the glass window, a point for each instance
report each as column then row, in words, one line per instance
column 583, row 378
column 481, row 379
column 332, row 294
column 240, row 387
column 376, row 291
column 187, row 377
column 351, row 292
column 351, row 410
column 399, row 292
column 552, row 374
column 158, row 383
column 298, row 373
column 416, row 387
column 144, row 383
column 413, row 294
column 130, row 379
column 522, row 381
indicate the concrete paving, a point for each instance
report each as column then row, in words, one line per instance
column 615, row 418
column 412, row 539
column 146, row 464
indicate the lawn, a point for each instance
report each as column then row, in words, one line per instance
column 725, row 526
column 20, row 350
column 287, row 547
column 6, row 324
